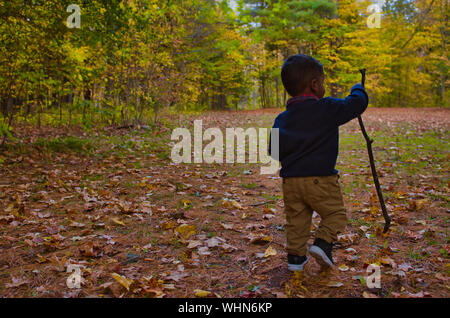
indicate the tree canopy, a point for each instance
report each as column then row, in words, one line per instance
column 131, row 58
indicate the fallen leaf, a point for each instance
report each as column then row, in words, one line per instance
column 334, row 284
column 236, row 205
column 213, row 242
column 16, row 282
column 201, row 293
column 194, row 244
column 76, row 224
column 117, row 221
column 343, row 268
column 176, row 276
column 261, row 240
column 418, row 204
column 204, row 250
column 270, row 251
column 122, row 280
column 228, row 226
column 369, row 295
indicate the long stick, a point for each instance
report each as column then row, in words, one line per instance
column 372, row 163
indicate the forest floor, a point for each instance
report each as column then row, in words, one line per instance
column 113, row 204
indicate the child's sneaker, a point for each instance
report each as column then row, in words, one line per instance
column 321, row 251
column 296, row 263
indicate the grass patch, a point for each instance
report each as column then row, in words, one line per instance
column 249, row 185
column 64, row 144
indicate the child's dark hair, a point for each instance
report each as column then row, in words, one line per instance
column 297, row 71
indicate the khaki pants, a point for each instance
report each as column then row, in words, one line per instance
column 302, row 196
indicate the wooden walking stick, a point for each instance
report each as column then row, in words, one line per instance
column 372, row 164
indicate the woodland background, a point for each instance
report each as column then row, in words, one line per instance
column 130, row 59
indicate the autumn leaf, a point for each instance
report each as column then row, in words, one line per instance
column 122, row 280
column 270, row 251
column 418, row 204
column 186, row 203
column 186, row 231
column 236, row 205
column 117, row 221
column 228, row 226
column 261, row 240
column 334, row 284
column 16, row 282
column 343, row 268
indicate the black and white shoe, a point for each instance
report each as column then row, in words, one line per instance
column 296, row 263
column 321, row 251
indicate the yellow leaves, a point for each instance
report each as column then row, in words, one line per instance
column 226, row 203
column 117, row 221
column 186, row 231
column 76, row 224
column 334, row 284
column 201, row 293
column 153, row 287
column 343, row 268
column 379, row 231
column 348, row 238
column 369, row 295
column 270, row 251
column 148, row 186
column 374, row 210
column 296, row 281
column 169, row 225
column 122, row 280
column 422, row 222
column 186, row 203
column 270, row 210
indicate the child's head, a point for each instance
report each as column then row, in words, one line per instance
column 303, row 74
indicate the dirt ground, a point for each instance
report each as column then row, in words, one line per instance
column 112, row 204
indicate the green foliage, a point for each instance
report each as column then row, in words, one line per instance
column 132, row 59
column 406, row 57
column 64, row 144
column 129, row 60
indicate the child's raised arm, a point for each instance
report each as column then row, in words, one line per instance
column 344, row 110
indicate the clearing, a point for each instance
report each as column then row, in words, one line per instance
column 112, row 203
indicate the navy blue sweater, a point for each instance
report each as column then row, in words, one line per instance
column 309, row 133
